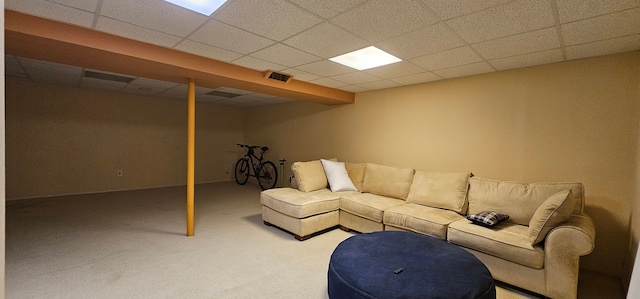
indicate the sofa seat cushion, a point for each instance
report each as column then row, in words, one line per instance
column 421, row 219
column 505, row 240
column 300, row 204
column 367, row 205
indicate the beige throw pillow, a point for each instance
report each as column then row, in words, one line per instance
column 553, row 211
column 310, row 175
column 445, row 190
column 356, row 173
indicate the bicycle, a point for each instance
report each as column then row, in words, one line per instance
column 265, row 171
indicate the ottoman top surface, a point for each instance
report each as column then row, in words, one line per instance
column 369, row 265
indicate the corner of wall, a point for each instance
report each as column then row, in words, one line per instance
column 2, row 164
column 631, row 267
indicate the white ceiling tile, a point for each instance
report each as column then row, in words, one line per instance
column 327, row 40
column 252, row 104
column 53, row 11
column 379, row 85
column 285, row 55
column 353, row 88
column 276, row 100
column 573, row 10
column 215, row 101
column 49, row 72
column 603, row 27
column 531, row 59
column 154, row 14
column 244, row 99
column 428, row 40
column 227, row 37
column 394, row 70
column 210, row 99
column 258, row 64
column 417, row 78
column 136, row 32
column 102, row 84
column 154, row 84
column 325, row 68
column 610, row 46
column 465, row 70
column 12, row 67
column 378, row 20
column 140, row 90
column 274, row 19
column 356, row 78
column 504, row 20
column 529, row 42
column 300, row 75
column 247, row 98
column 170, row 96
column 234, row 90
column 88, row 5
column 327, row 8
column 182, row 92
column 207, row 51
column 447, row 9
column 329, row 83
column 446, row 59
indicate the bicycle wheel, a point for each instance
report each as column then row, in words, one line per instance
column 267, row 175
column 241, row 172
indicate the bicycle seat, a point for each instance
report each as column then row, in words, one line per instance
column 264, row 148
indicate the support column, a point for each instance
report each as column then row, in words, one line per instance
column 191, row 138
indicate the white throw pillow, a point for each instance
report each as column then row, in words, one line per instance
column 337, row 176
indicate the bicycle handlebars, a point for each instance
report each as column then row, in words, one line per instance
column 263, row 148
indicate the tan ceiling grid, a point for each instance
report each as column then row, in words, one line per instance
column 436, row 39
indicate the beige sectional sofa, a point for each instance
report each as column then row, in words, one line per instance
column 537, row 248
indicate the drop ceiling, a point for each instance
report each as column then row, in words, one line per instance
column 436, row 39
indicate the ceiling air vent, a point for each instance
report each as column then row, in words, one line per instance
column 108, row 77
column 223, row 94
column 278, row 76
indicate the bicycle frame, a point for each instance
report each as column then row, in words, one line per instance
column 249, row 156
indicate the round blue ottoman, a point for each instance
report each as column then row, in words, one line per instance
column 398, row 264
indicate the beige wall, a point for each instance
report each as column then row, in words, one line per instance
column 573, row 121
column 63, row 140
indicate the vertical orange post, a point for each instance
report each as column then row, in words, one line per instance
column 191, row 149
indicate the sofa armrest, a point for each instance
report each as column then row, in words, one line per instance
column 563, row 247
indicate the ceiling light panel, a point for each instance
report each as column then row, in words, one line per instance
column 205, row 7
column 366, row 58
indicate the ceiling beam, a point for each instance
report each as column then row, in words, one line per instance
column 37, row 38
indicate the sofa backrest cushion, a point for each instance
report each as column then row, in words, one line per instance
column 445, row 190
column 309, row 176
column 387, row 181
column 518, row 200
column 553, row 211
column 356, row 173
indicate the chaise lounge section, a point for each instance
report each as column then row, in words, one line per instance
column 528, row 235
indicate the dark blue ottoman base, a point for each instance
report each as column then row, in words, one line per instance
column 365, row 266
